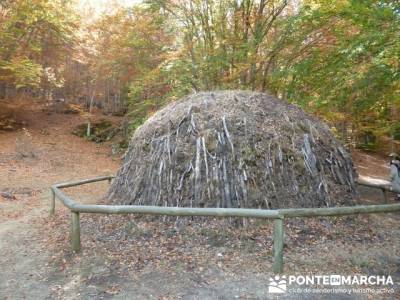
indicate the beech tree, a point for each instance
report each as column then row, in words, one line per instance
column 35, row 37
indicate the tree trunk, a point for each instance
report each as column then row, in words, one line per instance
column 88, row 131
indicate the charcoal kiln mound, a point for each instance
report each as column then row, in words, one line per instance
column 234, row 149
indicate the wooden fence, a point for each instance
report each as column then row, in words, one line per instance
column 277, row 215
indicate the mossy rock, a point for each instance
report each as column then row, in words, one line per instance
column 367, row 140
column 100, row 131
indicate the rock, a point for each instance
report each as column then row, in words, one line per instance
column 101, row 131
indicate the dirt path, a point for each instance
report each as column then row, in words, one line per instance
column 57, row 156
column 139, row 258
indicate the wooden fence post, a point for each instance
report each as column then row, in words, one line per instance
column 75, row 232
column 385, row 198
column 52, row 203
column 278, row 246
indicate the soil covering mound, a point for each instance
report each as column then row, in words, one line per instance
column 234, row 149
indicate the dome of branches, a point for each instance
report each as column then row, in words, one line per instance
column 234, row 149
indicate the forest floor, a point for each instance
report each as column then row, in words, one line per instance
column 127, row 257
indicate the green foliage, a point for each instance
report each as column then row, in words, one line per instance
column 224, row 44
column 343, row 58
column 367, row 140
column 101, row 131
column 211, row 45
column 34, row 37
column 338, row 60
column 395, row 131
column 24, row 72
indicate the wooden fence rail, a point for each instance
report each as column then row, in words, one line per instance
column 277, row 215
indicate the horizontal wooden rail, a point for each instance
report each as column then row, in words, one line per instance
column 278, row 215
column 55, row 191
column 384, row 185
column 177, row 211
column 339, row 211
column 81, row 182
column 376, row 183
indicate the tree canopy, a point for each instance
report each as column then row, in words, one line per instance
column 338, row 60
column 35, row 37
